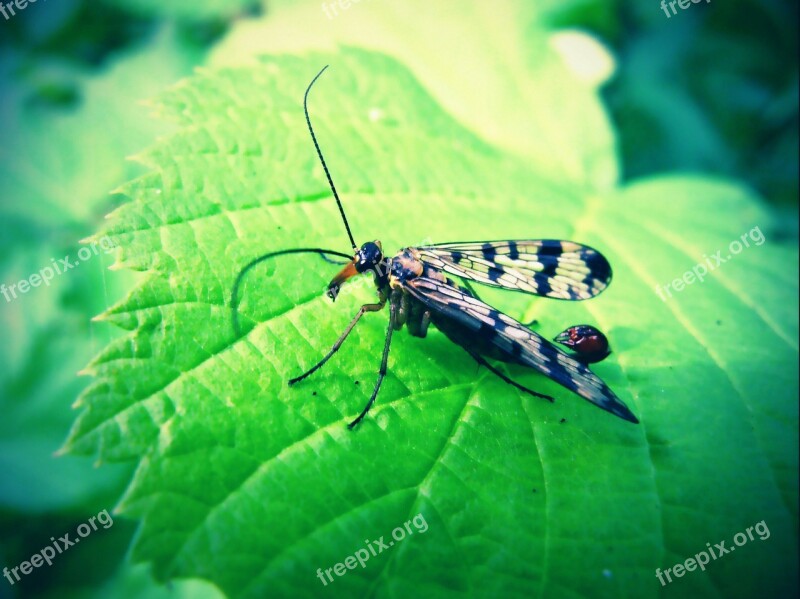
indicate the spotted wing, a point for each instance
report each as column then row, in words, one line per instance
column 547, row 267
column 515, row 340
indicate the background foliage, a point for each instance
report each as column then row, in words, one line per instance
column 443, row 116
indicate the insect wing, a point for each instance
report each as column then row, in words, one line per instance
column 546, row 267
column 517, row 341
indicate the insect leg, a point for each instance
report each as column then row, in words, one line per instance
column 363, row 310
column 382, row 371
column 480, row 360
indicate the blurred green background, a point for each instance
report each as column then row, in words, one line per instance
column 712, row 89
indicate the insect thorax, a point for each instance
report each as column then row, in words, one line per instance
column 405, row 266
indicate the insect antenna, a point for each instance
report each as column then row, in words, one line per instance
column 322, row 159
column 255, row 261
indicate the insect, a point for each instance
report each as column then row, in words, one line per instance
column 417, row 287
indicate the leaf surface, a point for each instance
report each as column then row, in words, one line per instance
column 254, row 485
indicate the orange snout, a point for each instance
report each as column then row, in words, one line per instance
column 336, row 283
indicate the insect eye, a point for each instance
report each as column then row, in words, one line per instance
column 368, row 256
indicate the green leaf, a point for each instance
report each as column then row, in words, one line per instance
column 53, row 192
column 254, row 485
column 473, row 61
column 57, row 164
column 734, row 120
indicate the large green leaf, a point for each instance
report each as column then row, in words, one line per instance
column 57, row 163
column 54, row 177
column 254, row 485
column 472, row 57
